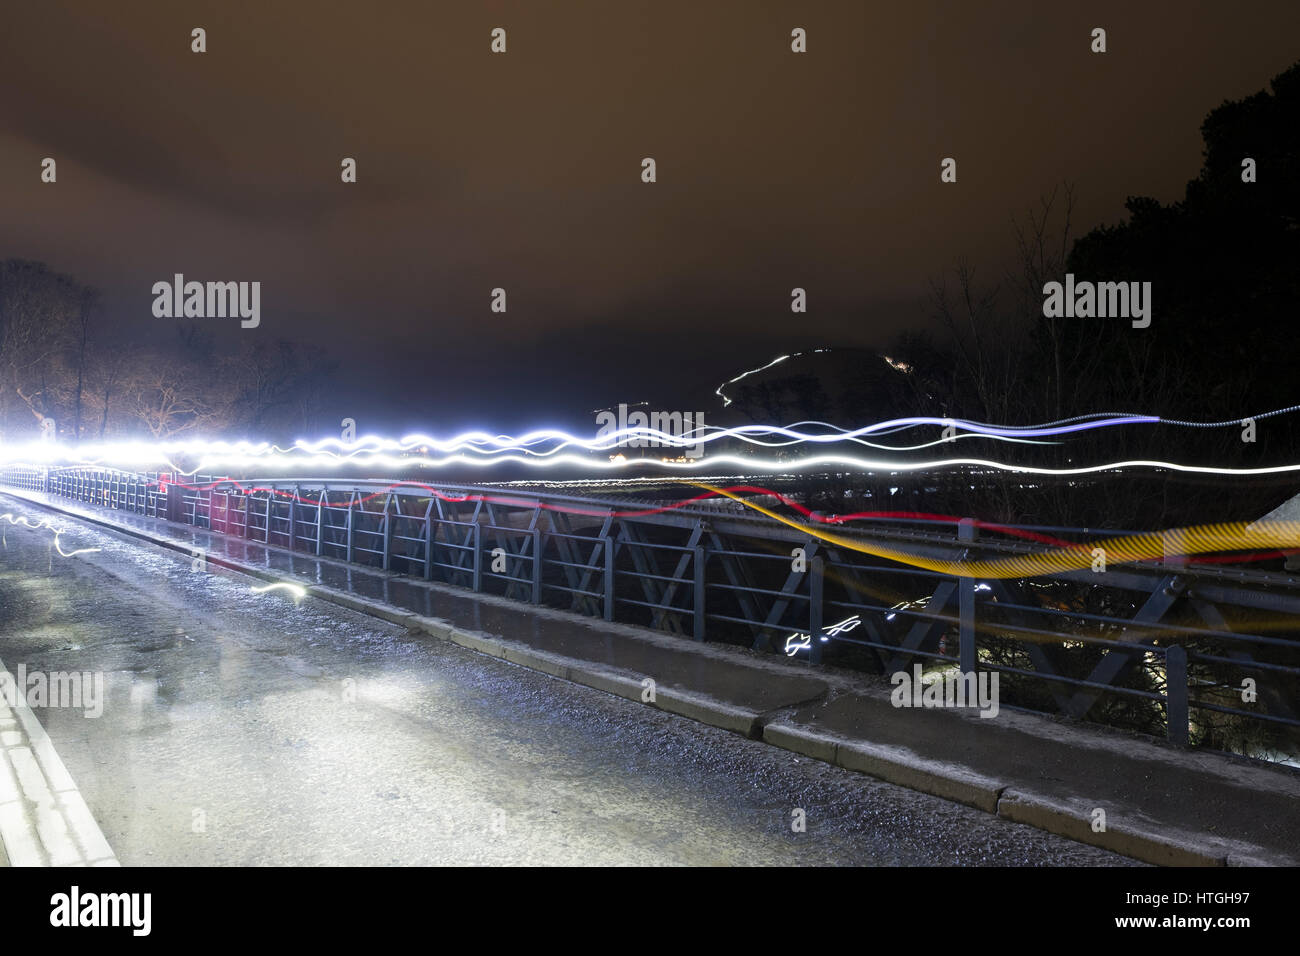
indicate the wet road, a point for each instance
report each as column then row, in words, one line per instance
column 242, row 728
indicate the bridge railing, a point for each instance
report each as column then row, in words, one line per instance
column 1209, row 653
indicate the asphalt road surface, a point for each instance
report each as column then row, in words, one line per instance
column 244, row 728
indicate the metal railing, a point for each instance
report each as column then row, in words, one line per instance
column 1167, row 645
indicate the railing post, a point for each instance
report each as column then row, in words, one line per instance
column 293, row 517
column 477, row 537
column 270, row 503
column 320, row 522
column 248, row 510
column 607, row 545
column 428, row 541
column 537, row 565
column 352, row 500
column 175, row 502
column 968, row 659
column 387, row 524
column 699, row 560
column 816, row 586
column 1176, row 694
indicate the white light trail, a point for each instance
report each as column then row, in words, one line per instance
column 26, row 523
column 743, row 463
column 485, row 448
column 800, row 641
column 554, row 447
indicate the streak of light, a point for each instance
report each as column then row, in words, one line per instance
column 26, row 523
column 545, row 446
column 1126, row 549
column 548, row 446
column 762, row 368
column 297, row 590
column 803, row 641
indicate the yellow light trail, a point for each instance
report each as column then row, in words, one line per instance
column 297, row 590
column 1126, row 549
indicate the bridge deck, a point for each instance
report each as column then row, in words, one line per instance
column 1161, row 803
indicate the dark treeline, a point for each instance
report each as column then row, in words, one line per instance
column 1224, row 267
column 61, row 361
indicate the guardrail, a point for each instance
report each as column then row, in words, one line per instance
column 1200, row 652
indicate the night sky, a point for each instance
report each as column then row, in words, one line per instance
column 522, row 170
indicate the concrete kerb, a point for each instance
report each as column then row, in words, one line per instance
column 891, row 764
column 903, row 768
column 894, row 765
column 1075, row 821
column 802, row 741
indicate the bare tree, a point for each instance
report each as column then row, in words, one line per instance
column 165, row 399
column 1041, row 259
column 85, row 308
column 36, row 319
column 107, row 374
